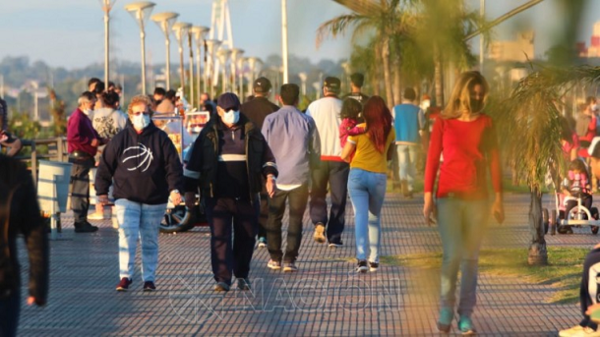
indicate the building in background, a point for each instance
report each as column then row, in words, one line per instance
column 519, row 50
column 594, row 49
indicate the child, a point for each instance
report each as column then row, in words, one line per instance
column 576, row 185
column 350, row 116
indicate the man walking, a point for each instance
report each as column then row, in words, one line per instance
column 83, row 142
column 332, row 169
column 294, row 140
column 257, row 110
column 356, row 83
column 227, row 161
column 409, row 123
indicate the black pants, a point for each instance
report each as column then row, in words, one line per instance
column 591, row 276
column 336, row 174
column 9, row 314
column 298, row 198
column 229, row 218
column 264, row 211
column 80, row 189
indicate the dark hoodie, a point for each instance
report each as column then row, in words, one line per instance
column 145, row 167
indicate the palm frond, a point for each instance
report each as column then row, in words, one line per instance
column 337, row 26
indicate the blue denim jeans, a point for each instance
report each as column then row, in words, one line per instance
column 407, row 159
column 367, row 191
column 137, row 220
column 462, row 224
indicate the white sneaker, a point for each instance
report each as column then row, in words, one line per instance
column 578, row 331
column 96, row 216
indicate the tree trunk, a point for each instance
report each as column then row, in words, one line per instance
column 538, row 253
column 387, row 76
column 376, row 73
column 397, row 81
column 438, row 77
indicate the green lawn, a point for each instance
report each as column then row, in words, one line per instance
column 563, row 273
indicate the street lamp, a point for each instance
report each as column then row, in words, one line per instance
column 223, row 55
column 200, row 36
column 255, row 65
column 107, row 6
column 180, row 29
column 284, row 40
column 165, row 22
column 209, row 76
column 236, row 56
column 140, row 12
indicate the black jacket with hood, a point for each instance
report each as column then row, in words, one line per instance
column 145, row 167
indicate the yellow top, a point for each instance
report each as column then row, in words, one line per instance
column 366, row 156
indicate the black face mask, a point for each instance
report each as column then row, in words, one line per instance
column 476, row 105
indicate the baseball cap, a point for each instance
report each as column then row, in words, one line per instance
column 262, row 85
column 332, row 84
column 594, row 148
column 228, row 101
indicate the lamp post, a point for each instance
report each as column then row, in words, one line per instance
column 236, row 56
column 200, row 36
column 165, row 22
column 209, row 76
column 284, row 40
column 481, row 38
column 180, row 29
column 140, row 12
column 107, row 6
column 303, row 76
column 223, row 55
column 346, row 68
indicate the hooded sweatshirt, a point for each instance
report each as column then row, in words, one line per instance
column 145, row 167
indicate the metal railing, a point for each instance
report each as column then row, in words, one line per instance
column 57, row 151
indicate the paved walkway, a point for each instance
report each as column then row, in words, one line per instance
column 325, row 298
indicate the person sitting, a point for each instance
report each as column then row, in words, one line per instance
column 577, row 185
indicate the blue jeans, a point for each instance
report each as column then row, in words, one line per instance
column 462, row 224
column 367, row 191
column 141, row 221
column 407, row 159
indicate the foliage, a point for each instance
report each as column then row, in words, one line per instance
column 564, row 274
column 23, row 126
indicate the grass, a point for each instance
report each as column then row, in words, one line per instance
column 563, row 273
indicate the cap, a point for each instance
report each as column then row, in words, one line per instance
column 594, row 148
column 262, row 85
column 332, row 84
column 228, row 101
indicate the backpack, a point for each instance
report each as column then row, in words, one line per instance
column 8, row 275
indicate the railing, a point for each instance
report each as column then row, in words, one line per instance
column 57, row 151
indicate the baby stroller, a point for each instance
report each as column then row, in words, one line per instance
column 565, row 216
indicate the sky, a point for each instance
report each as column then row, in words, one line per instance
column 70, row 33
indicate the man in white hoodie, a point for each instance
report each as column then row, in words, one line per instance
column 332, row 170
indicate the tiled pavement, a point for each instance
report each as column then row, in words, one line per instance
column 325, row 298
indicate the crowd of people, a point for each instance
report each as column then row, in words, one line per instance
column 251, row 161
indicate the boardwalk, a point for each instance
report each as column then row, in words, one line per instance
column 325, row 298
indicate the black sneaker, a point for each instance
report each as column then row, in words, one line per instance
column 243, row 284
column 149, row 286
column 290, row 267
column 85, row 227
column 221, row 287
column 124, row 284
column 361, row 267
column 373, row 266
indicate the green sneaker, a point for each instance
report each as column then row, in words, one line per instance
column 465, row 325
column 445, row 320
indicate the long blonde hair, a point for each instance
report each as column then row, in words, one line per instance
column 460, row 100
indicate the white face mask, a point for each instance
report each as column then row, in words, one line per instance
column 425, row 105
column 594, row 108
column 140, row 121
column 231, row 117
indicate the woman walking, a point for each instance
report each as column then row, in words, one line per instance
column 367, row 179
column 146, row 170
column 466, row 138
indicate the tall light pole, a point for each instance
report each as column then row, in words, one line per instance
column 165, row 22
column 180, row 29
column 223, row 55
column 209, row 68
column 284, row 40
column 236, row 56
column 200, row 34
column 140, row 12
column 481, row 38
column 107, row 6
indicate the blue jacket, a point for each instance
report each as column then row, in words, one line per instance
column 408, row 120
column 294, row 141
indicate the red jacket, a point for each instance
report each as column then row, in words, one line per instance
column 81, row 133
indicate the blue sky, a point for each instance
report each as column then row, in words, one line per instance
column 69, row 33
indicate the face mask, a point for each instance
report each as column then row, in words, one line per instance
column 231, row 117
column 425, row 105
column 476, row 105
column 594, row 107
column 140, row 121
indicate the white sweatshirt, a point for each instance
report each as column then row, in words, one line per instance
column 326, row 113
